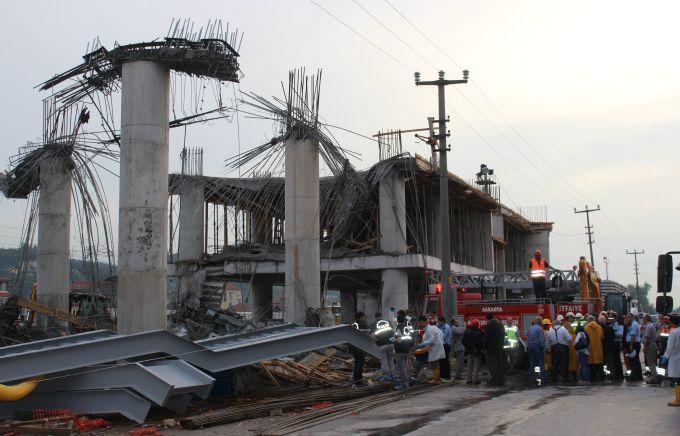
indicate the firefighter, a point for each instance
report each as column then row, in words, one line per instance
column 403, row 344
column 510, row 333
column 494, row 340
column 359, row 356
column 538, row 267
column 671, row 356
column 382, row 333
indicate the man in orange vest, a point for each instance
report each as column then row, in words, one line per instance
column 538, row 267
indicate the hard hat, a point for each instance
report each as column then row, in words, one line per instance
column 570, row 314
column 559, row 318
column 578, row 315
column 474, row 323
column 546, row 321
column 538, row 253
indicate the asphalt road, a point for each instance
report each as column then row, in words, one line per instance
column 459, row 409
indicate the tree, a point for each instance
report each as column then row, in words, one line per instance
column 643, row 298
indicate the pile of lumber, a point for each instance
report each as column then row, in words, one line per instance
column 310, row 370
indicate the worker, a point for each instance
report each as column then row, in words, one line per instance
column 617, row 369
column 571, row 319
column 457, row 332
column 445, row 369
column 403, row 344
column 359, row 356
column 420, row 353
column 649, row 344
column 473, row 341
column 558, row 340
column 547, row 358
column 538, row 267
column 510, row 333
column 382, row 333
column 633, row 340
column 536, row 346
column 579, row 319
column 609, row 345
column 672, row 356
column 595, row 349
column 573, row 355
column 433, row 340
column 581, row 345
column 494, row 339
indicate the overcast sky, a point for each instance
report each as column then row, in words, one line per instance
column 593, row 87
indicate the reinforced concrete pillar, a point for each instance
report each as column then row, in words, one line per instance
column 260, row 227
column 348, row 306
column 392, row 198
column 54, row 232
column 191, row 223
column 261, row 294
column 142, row 234
column 303, row 275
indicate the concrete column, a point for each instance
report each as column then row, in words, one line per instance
column 539, row 240
column 392, row 202
column 367, row 302
column 348, row 306
column 260, row 227
column 54, row 230
column 142, row 234
column 395, row 290
column 261, row 294
column 191, row 223
column 303, row 275
column 487, row 241
column 392, row 198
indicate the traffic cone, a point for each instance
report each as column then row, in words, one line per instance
column 676, row 403
column 435, row 377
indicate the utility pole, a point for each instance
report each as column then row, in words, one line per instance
column 637, row 271
column 449, row 300
column 606, row 266
column 589, row 230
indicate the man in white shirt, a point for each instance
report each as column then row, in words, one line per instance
column 558, row 339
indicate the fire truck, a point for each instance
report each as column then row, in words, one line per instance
column 508, row 296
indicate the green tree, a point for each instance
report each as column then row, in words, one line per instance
column 643, row 298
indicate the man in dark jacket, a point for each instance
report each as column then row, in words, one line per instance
column 359, row 356
column 494, row 339
column 610, row 349
column 473, row 341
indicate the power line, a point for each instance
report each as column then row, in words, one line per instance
column 611, row 225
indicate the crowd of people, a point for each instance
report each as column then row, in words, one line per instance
column 568, row 349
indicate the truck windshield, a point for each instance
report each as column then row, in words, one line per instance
column 616, row 302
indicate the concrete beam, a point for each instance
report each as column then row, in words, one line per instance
column 142, row 234
column 54, row 233
column 350, row 264
column 302, row 267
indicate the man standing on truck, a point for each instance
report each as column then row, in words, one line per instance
column 538, row 267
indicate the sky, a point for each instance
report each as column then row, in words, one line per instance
column 571, row 103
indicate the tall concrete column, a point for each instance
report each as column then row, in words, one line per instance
column 261, row 294
column 142, row 234
column 191, row 223
column 54, row 232
column 392, row 199
column 303, row 275
column 348, row 306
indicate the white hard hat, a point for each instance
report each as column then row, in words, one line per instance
column 559, row 318
column 570, row 314
column 578, row 315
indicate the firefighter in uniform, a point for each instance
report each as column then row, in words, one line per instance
column 538, row 267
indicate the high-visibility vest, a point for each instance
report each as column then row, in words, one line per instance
column 537, row 268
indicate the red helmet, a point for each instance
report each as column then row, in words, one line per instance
column 474, row 323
